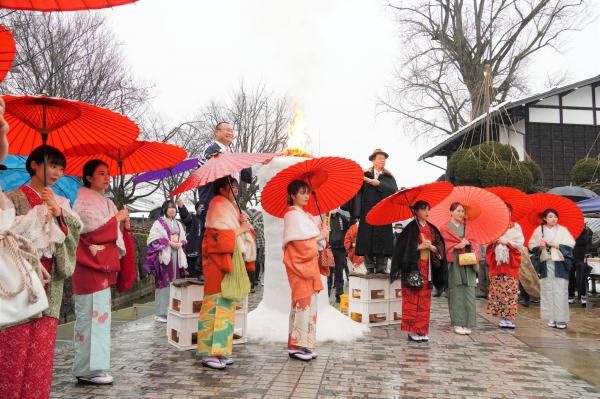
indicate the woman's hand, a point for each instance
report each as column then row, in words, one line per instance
column 175, row 245
column 244, row 227
column 48, row 196
column 543, row 243
column 122, row 215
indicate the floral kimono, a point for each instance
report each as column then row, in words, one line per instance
column 164, row 262
column 300, row 257
column 553, row 267
column 217, row 316
column 27, row 350
column 504, row 262
column 98, row 260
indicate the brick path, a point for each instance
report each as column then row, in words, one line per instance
column 489, row 363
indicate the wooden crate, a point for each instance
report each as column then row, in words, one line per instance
column 182, row 330
column 395, row 311
column 369, row 287
column 186, row 299
column 372, row 313
column 395, row 290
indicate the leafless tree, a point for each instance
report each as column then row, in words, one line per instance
column 450, row 43
column 72, row 55
column 260, row 119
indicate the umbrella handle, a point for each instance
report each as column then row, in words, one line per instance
column 316, row 201
column 414, row 216
column 235, row 197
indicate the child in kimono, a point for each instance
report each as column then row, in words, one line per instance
column 552, row 246
column 302, row 239
column 165, row 258
column 27, row 350
column 98, row 260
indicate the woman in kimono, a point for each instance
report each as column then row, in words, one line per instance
column 302, row 239
column 358, row 262
column 504, row 260
column 227, row 231
column 27, row 350
column 461, row 279
column 551, row 247
column 165, row 258
column 99, row 252
column 420, row 247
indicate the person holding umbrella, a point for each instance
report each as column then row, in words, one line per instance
column 302, row 239
column 165, row 258
column 461, row 275
column 99, row 255
column 33, row 342
column 228, row 246
column 552, row 246
column 418, row 255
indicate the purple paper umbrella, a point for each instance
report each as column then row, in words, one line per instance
column 181, row 167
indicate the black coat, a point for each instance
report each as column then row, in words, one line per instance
column 373, row 240
column 406, row 255
column 193, row 226
column 338, row 230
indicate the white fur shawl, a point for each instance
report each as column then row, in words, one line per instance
column 299, row 225
column 514, row 236
column 95, row 210
column 223, row 215
column 562, row 236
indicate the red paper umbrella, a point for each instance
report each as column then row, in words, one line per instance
column 486, row 214
column 61, row 5
column 137, row 157
column 221, row 165
column 333, row 181
column 396, row 207
column 65, row 124
column 8, row 51
column 569, row 214
column 517, row 199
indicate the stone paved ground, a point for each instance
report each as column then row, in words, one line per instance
column 488, row 364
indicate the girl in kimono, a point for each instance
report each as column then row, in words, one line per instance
column 27, row 350
column 99, row 252
column 420, row 247
column 227, row 231
column 551, row 247
column 165, row 258
column 302, row 239
column 504, row 259
column 461, row 279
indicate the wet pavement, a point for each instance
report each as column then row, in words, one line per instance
column 533, row 361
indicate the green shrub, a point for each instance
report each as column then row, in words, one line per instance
column 585, row 171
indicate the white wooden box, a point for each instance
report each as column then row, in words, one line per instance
column 395, row 290
column 367, row 288
column 372, row 313
column 186, row 300
column 395, row 311
column 182, row 330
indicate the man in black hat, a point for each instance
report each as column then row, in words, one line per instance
column 375, row 243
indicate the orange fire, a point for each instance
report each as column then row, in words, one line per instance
column 297, row 139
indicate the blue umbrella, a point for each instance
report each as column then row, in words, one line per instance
column 181, row 167
column 16, row 175
column 590, row 205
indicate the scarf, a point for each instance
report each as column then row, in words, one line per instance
column 560, row 236
column 514, row 236
column 299, row 225
column 223, row 215
column 95, row 210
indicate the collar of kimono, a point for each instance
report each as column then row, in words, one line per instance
column 32, row 196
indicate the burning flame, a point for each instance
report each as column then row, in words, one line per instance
column 297, row 139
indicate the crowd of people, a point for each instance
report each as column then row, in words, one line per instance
column 48, row 242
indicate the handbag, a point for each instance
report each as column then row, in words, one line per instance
column 326, row 257
column 468, row 258
column 415, row 279
column 236, row 285
column 22, row 294
column 357, row 269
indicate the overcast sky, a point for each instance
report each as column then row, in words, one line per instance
column 332, row 57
